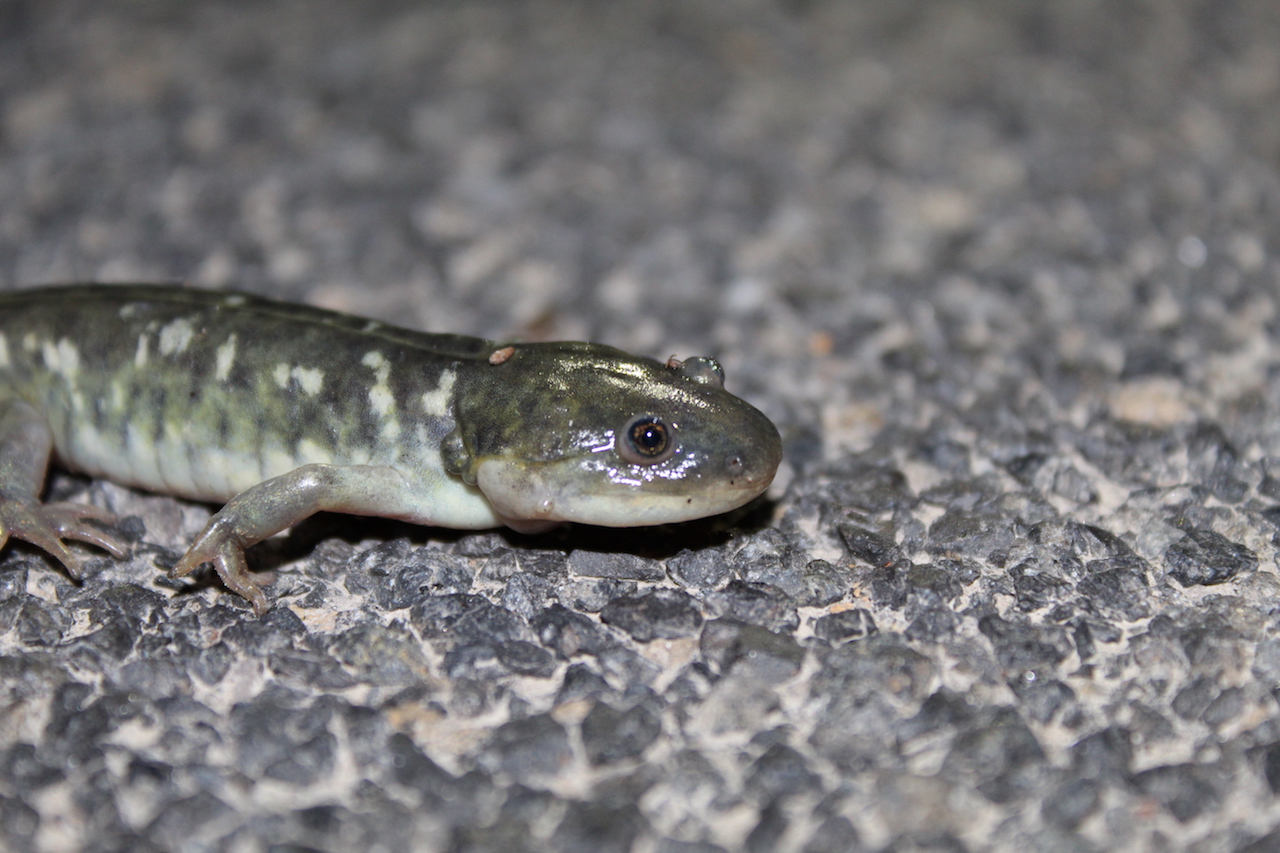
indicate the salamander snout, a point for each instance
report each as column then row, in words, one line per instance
column 750, row 464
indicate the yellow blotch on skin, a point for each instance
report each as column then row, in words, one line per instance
column 62, row 358
column 176, row 337
column 225, row 358
column 436, row 402
column 382, row 400
column 380, row 396
column 309, row 379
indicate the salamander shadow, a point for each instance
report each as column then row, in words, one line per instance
column 656, row 542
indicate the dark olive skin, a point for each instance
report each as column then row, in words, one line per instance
column 584, row 432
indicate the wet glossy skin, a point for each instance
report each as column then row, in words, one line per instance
column 577, row 462
column 284, row 410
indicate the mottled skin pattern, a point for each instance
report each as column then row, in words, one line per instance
column 284, row 410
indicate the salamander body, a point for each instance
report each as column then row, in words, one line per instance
column 283, row 410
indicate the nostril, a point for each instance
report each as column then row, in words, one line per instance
column 735, row 467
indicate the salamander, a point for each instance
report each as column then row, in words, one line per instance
column 278, row 411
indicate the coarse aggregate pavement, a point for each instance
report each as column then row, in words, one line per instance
column 1003, row 274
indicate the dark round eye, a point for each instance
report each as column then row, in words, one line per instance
column 646, row 441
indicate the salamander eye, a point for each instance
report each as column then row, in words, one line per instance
column 647, row 441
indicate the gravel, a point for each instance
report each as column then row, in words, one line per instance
column 1000, row 273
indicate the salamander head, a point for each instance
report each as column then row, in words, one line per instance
column 583, row 432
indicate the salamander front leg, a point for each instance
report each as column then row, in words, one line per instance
column 272, row 505
column 25, row 445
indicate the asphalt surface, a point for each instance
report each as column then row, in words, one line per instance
column 1001, row 273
